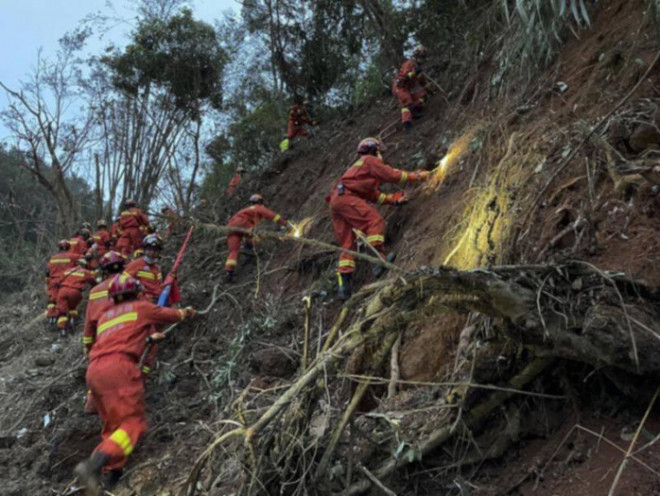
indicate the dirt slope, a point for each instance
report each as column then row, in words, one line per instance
column 504, row 154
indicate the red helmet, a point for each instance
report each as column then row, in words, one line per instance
column 63, row 245
column 370, row 146
column 152, row 241
column 123, row 285
column 257, row 198
column 113, row 262
column 419, row 52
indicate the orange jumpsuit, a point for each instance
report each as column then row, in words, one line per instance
column 248, row 218
column 133, row 224
column 298, row 116
column 102, row 241
column 78, row 245
column 113, row 376
column 233, row 184
column 352, row 209
column 149, row 275
column 407, row 87
column 58, row 264
column 69, row 295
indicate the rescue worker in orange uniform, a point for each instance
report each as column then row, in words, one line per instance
column 58, row 264
column 101, row 243
column 146, row 269
column 247, row 218
column 298, row 117
column 233, row 184
column 79, row 243
column 111, row 264
column 409, row 86
column 133, row 224
column 69, row 295
column 350, row 205
column 115, row 380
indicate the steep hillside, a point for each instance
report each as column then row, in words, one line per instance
column 530, row 375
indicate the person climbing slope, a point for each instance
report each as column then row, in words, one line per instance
column 133, row 224
column 58, row 264
column 111, row 264
column 79, row 244
column 70, row 295
column 409, row 86
column 247, row 218
column 146, row 269
column 235, row 181
column 115, row 380
column 298, row 117
column 351, row 210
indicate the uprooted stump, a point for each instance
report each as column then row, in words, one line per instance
column 574, row 312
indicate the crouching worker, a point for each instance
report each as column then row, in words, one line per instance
column 351, row 205
column 116, row 381
column 247, row 218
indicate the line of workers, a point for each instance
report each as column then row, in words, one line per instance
column 123, row 320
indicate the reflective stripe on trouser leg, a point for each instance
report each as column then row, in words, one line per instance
column 346, row 263
column 406, row 115
column 234, row 247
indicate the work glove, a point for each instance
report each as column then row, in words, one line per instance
column 398, row 199
column 314, row 123
column 189, row 312
column 424, row 175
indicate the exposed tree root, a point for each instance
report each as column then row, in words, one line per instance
column 573, row 311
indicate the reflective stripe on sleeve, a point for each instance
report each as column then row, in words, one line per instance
column 88, row 340
column 347, row 263
column 381, row 198
column 143, row 274
column 277, row 217
column 404, row 177
column 121, row 438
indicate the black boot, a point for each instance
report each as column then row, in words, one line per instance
column 379, row 270
column 89, row 473
column 407, row 126
column 111, row 479
column 344, row 291
column 229, row 276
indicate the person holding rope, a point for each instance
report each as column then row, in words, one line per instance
column 350, row 205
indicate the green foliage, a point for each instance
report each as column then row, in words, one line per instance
column 226, row 364
column 28, row 221
column 539, row 27
column 249, row 142
column 179, row 54
column 369, row 85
